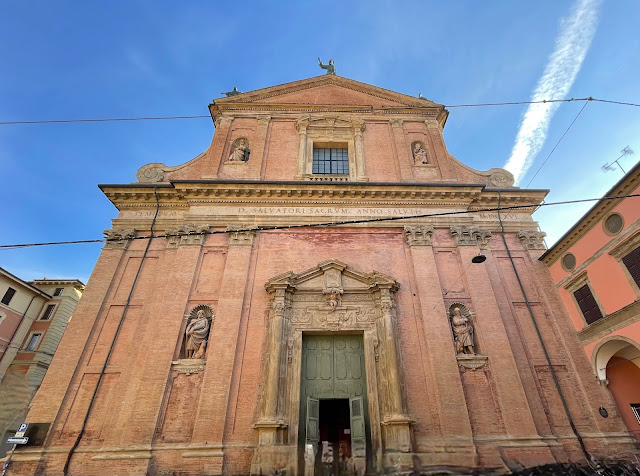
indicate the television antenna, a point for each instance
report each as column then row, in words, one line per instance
column 609, row 166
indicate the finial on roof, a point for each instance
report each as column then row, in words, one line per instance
column 331, row 69
column 235, row 92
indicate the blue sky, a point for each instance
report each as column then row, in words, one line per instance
column 79, row 59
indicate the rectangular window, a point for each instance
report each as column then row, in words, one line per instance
column 48, row 312
column 33, row 342
column 6, row 299
column 632, row 262
column 636, row 411
column 330, row 161
column 588, row 304
column 58, row 292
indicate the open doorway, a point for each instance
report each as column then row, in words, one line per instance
column 335, row 437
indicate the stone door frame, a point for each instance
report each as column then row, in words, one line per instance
column 301, row 303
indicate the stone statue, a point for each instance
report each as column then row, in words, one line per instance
column 462, row 331
column 334, row 300
column 233, row 92
column 331, row 69
column 197, row 334
column 240, row 151
column 419, row 153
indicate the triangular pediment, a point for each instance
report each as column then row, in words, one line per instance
column 328, row 276
column 327, row 90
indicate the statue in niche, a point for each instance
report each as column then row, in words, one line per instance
column 197, row 335
column 419, row 153
column 239, row 150
column 462, row 331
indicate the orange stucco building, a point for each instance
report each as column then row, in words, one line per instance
column 596, row 266
column 306, row 285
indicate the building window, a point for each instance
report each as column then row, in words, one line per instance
column 8, row 296
column 48, row 312
column 568, row 262
column 58, row 292
column 587, row 304
column 330, row 161
column 613, row 224
column 632, row 262
column 33, row 341
column 636, row 410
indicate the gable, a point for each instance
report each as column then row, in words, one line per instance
column 328, row 90
column 332, row 94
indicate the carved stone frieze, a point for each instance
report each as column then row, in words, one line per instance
column 118, row 238
column 188, row 234
column 242, row 235
column 419, row 235
column 532, row 239
column 470, row 236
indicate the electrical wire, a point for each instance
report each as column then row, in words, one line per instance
column 558, row 143
column 327, row 224
column 205, row 116
column 65, row 469
column 586, row 453
column 20, row 349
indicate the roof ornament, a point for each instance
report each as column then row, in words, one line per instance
column 234, row 92
column 331, row 69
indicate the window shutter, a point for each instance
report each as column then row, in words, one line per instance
column 588, row 304
column 632, row 262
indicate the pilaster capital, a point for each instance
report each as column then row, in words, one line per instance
column 241, row 236
column 188, row 234
column 419, row 235
column 222, row 121
column 396, row 122
column 470, row 236
column 118, row 238
column 263, row 120
column 532, row 239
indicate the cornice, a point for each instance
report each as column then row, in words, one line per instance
column 182, row 194
column 625, row 186
column 610, row 323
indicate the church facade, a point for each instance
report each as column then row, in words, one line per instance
column 310, row 293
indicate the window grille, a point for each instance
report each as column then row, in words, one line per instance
column 587, row 304
column 636, row 410
column 330, row 161
column 48, row 312
column 58, row 292
column 632, row 262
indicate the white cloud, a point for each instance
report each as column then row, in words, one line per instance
column 572, row 44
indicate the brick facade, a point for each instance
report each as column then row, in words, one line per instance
column 157, row 413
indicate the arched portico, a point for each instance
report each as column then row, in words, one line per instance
column 616, row 361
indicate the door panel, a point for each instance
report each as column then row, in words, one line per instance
column 313, row 417
column 358, row 437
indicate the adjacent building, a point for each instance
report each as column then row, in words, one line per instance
column 324, row 282
column 596, row 267
column 33, row 317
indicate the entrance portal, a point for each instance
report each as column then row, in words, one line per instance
column 333, row 405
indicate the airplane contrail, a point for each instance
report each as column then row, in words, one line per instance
column 572, row 44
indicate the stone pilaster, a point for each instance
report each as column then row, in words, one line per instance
column 402, row 151
column 302, row 150
column 361, row 173
column 213, row 407
column 258, row 148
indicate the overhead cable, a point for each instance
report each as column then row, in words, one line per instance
column 327, row 224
